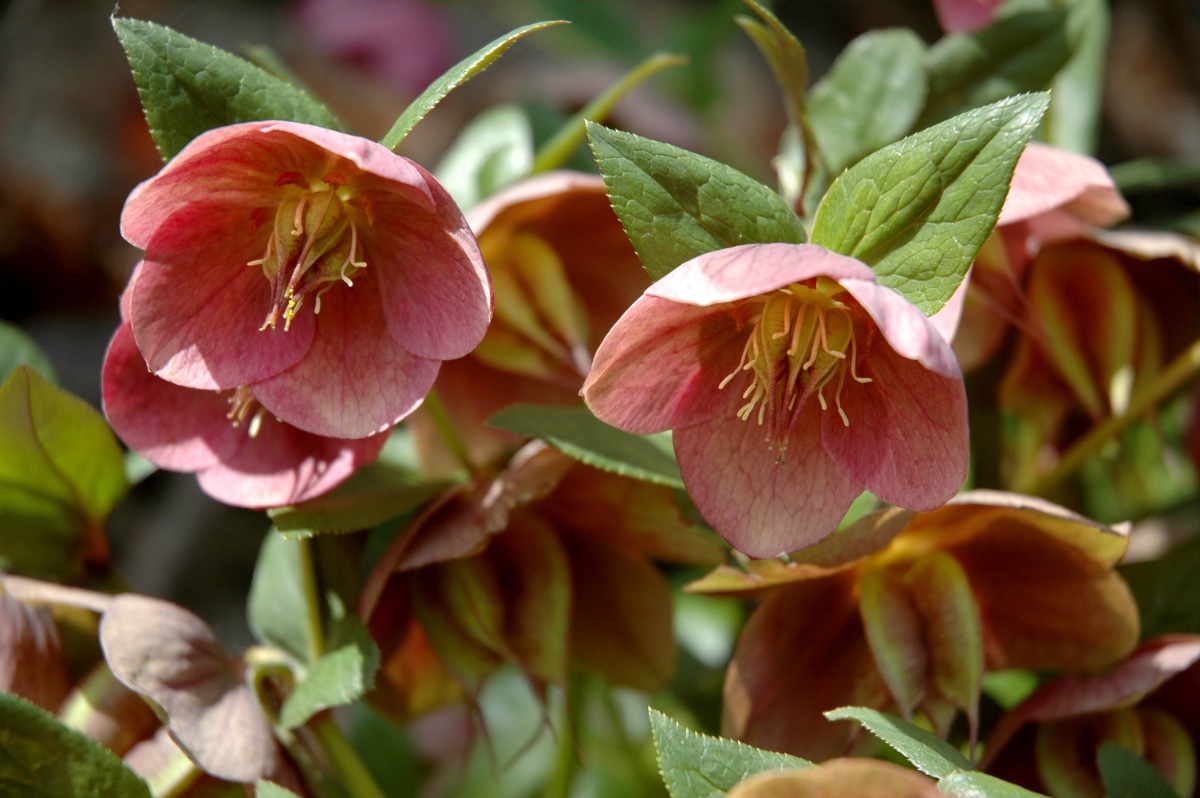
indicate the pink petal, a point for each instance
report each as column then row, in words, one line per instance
column 907, row 441
column 355, row 381
column 545, row 186
column 762, row 506
column 660, row 365
column 741, row 272
column 908, row 331
column 435, row 288
column 1049, row 179
column 964, row 16
column 196, row 307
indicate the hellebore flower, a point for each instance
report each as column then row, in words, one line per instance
column 544, row 566
column 563, row 271
column 908, row 610
column 792, row 382
column 241, row 454
column 328, row 273
column 1149, row 703
column 1055, row 196
column 964, row 16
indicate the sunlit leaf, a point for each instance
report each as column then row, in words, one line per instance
column 930, row 754
column 18, row 349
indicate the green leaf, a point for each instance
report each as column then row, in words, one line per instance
column 696, row 765
column 929, row 753
column 343, row 674
column 370, row 497
column 188, row 87
column 269, row 789
column 578, row 434
column 676, row 205
column 1078, row 88
column 457, row 75
column 1124, row 772
column 918, row 211
column 1165, row 590
column 277, row 610
column 492, row 151
column 18, row 349
column 1014, row 54
column 61, row 473
column 870, row 97
column 972, row 784
column 40, row 756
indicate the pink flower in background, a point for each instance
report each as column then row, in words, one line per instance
column 326, row 272
column 793, row 382
column 964, row 16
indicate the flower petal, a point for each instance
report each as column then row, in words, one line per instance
column 1048, row 179
column 906, row 329
column 355, row 380
column 196, row 307
column 764, row 502
column 741, row 272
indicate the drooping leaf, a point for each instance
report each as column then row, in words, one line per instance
column 918, row 211
column 676, row 205
column 61, row 473
column 580, row 435
column 869, row 98
column 40, row 757
column 930, row 754
column 695, row 765
column 1017, row 53
column 454, row 77
column 492, row 150
column 188, row 87
column 343, row 674
column 971, row 784
column 1124, row 772
column 18, row 349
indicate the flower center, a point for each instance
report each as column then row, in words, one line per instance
column 801, row 340
column 313, row 245
column 243, row 405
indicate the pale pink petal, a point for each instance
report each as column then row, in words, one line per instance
column 435, row 288
column 764, row 505
column 741, row 272
column 355, row 381
column 196, row 307
column 549, row 186
column 1049, row 179
column 908, row 330
column 660, row 365
column 907, row 439
column 964, row 16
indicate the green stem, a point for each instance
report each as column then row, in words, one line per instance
column 312, row 601
column 350, row 769
column 1171, row 379
column 445, row 429
column 558, row 148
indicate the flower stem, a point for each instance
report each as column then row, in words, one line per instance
column 445, row 429
column 558, row 149
column 1172, row 378
column 312, row 601
column 350, row 768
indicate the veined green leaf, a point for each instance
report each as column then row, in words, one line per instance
column 929, row 753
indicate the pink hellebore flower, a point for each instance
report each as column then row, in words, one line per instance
column 253, row 226
column 793, row 382
column 241, row 454
column 964, row 16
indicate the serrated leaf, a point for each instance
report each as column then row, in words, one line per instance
column 918, row 211
column 870, row 97
column 1124, row 772
column 580, row 435
column 188, row 87
column 454, row 77
column 61, row 473
column 675, row 205
column 343, row 674
column 276, row 609
column 18, row 349
column 695, row 765
column 371, row 496
column 929, row 753
column 493, row 150
column 40, row 756
column 972, row 784
column 1014, row 54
